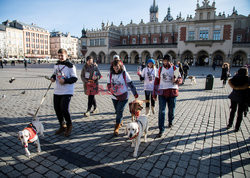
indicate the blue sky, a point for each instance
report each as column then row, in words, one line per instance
column 72, row 15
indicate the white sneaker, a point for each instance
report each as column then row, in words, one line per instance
column 95, row 111
column 87, row 114
column 147, row 111
column 153, row 110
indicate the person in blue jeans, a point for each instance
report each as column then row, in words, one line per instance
column 166, row 86
column 117, row 84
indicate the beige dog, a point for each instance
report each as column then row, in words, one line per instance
column 135, row 108
column 193, row 79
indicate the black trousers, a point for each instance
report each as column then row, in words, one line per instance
column 148, row 94
column 91, row 102
column 61, row 106
column 241, row 108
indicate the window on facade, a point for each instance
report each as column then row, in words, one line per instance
column 28, row 51
column 124, row 41
column 204, row 34
column 102, row 41
column 166, row 39
column 155, row 40
column 144, row 41
column 191, row 35
column 97, row 42
column 201, row 16
column 238, row 38
column 216, row 35
column 92, row 42
column 133, row 41
column 208, row 15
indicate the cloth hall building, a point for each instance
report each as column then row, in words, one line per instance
column 200, row 39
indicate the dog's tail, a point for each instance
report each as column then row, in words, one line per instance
column 34, row 117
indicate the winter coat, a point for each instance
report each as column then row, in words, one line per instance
column 90, row 86
column 225, row 73
column 240, row 93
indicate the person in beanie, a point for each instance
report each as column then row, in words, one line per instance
column 148, row 74
column 90, row 75
column 239, row 96
column 65, row 76
column 166, row 86
column 117, row 84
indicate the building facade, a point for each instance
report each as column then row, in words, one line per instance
column 199, row 39
column 34, row 40
column 3, row 40
column 66, row 41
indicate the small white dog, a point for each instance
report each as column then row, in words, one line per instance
column 30, row 135
column 193, row 79
column 135, row 131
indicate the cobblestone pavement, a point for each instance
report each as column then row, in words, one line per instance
column 198, row 145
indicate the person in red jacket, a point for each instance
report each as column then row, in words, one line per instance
column 166, row 86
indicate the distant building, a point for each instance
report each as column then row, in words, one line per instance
column 3, row 41
column 199, row 39
column 66, row 41
column 34, row 40
column 14, row 47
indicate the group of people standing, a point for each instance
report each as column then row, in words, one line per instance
column 162, row 82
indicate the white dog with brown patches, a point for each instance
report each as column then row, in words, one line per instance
column 30, row 135
column 135, row 129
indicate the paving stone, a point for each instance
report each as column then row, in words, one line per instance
column 180, row 171
column 168, row 172
column 51, row 174
column 20, row 167
column 41, row 169
column 32, row 164
column 155, row 172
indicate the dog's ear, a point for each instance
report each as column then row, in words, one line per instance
column 126, row 130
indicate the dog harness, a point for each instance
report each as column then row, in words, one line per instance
column 138, row 122
column 32, row 133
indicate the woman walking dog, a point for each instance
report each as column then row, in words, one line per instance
column 118, row 83
column 65, row 76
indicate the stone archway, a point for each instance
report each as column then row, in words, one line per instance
column 157, row 55
column 112, row 53
column 135, row 57
column 124, row 56
column 187, row 56
column 145, row 55
column 101, row 57
column 218, row 57
column 239, row 59
column 93, row 55
column 202, row 57
column 172, row 54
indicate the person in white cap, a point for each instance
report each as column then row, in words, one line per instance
column 117, row 57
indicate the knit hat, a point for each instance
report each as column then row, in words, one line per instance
column 116, row 57
column 151, row 60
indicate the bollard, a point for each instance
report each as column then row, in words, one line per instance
column 209, row 82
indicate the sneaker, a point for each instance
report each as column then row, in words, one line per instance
column 236, row 130
column 87, row 113
column 160, row 134
column 95, row 111
column 229, row 126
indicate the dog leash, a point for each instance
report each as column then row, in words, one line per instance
column 43, row 99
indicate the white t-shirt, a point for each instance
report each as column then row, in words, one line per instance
column 166, row 78
column 118, row 85
column 149, row 75
column 65, row 72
